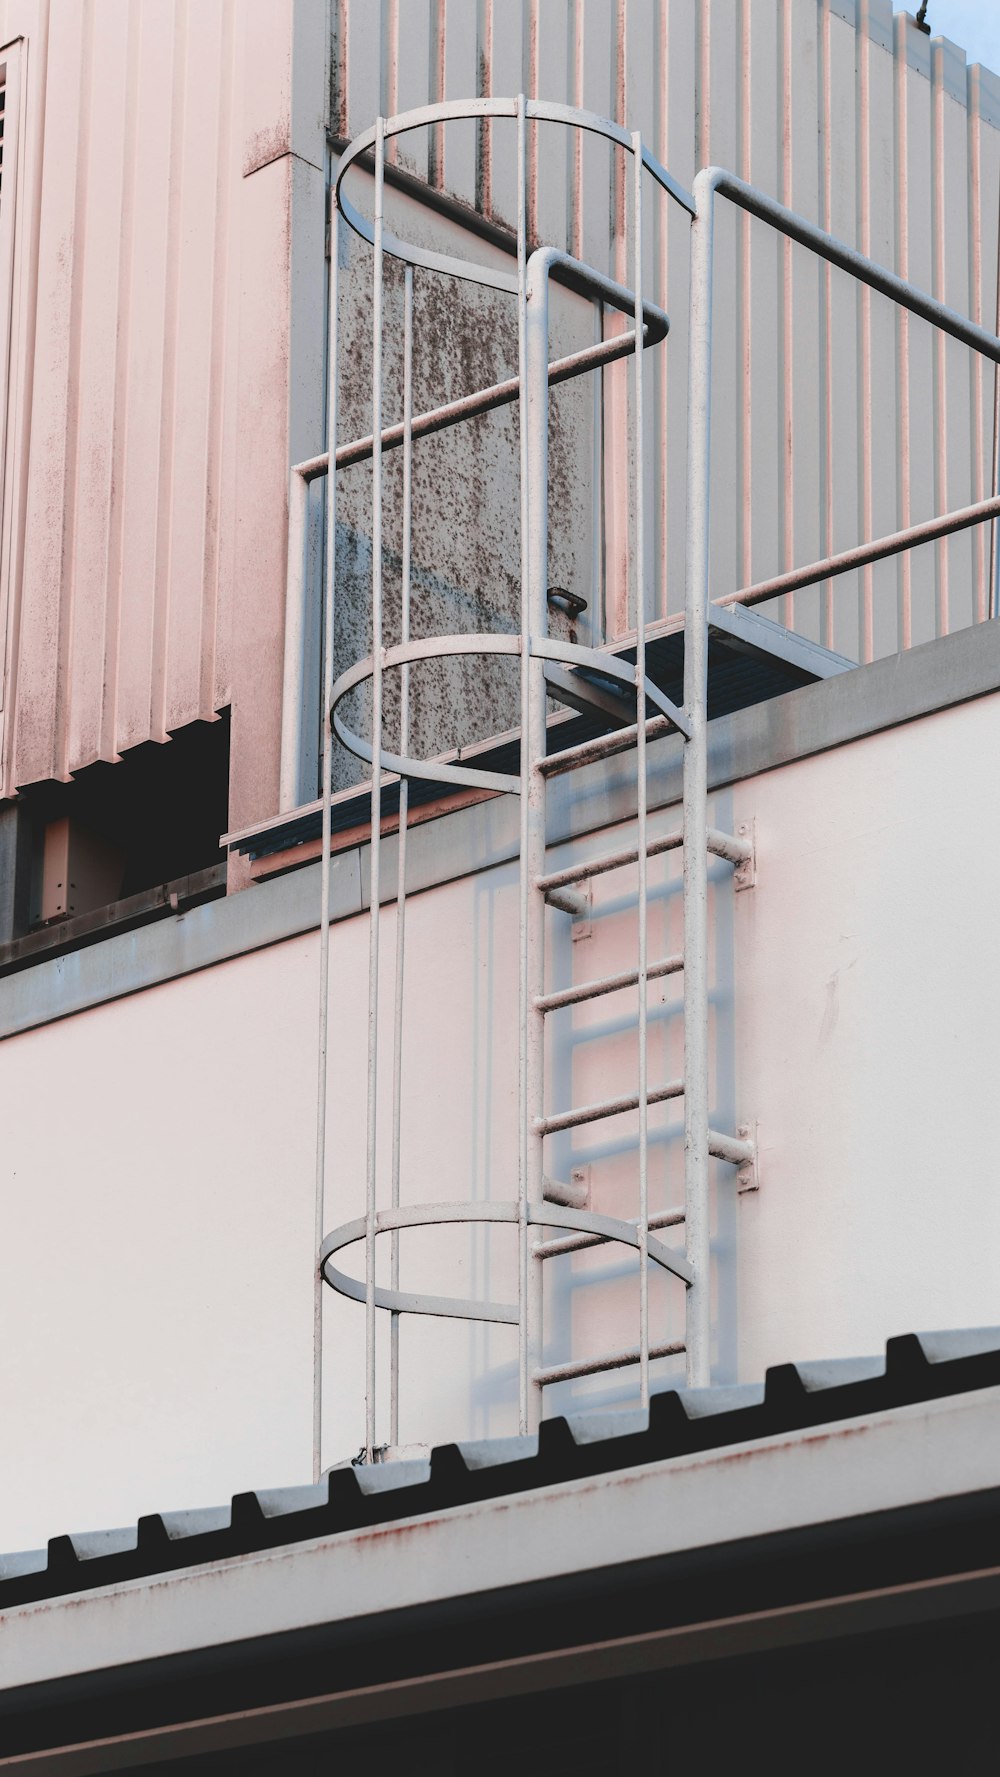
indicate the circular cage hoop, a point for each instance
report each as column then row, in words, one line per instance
column 430, row 1215
column 456, row 111
column 595, row 660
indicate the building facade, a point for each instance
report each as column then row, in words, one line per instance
column 220, row 1071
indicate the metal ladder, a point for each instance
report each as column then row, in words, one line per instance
column 582, row 677
column 591, row 677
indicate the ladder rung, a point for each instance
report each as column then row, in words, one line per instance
column 592, row 990
column 608, row 1107
column 603, row 746
column 613, row 1360
column 611, row 860
column 722, row 845
column 575, row 1243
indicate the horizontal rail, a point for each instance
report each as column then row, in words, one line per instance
column 593, row 990
column 608, row 1107
column 865, row 553
column 867, row 271
column 467, row 407
column 573, row 1243
column 613, row 1360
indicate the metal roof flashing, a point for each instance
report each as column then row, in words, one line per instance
column 815, row 1443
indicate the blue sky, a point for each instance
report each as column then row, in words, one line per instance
column 975, row 24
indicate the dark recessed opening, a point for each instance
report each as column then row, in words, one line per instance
column 118, row 844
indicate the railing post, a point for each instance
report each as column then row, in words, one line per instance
column 696, row 592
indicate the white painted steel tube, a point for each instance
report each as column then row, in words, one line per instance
column 376, row 806
column 467, row 407
column 293, row 687
column 730, row 1147
column 641, row 786
column 603, row 746
column 593, row 990
column 612, row 1360
column 696, row 593
column 532, row 748
column 524, row 879
column 867, row 271
column 322, row 1082
column 612, row 860
column 573, row 1243
column 724, row 845
column 608, row 1107
column 404, row 798
column 847, row 560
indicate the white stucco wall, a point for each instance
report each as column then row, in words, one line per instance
column 157, row 1164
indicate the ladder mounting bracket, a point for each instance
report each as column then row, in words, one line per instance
column 745, row 874
column 748, row 1175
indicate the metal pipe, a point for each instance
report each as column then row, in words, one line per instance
column 613, row 1360
column 612, row 860
column 404, row 799
column 929, row 531
column 724, row 845
column 376, row 802
column 322, row 1082
column 535, row 608
column 568, row 1193
column 730, row 1147
column 608, row 1107
column 603, row 746
column 593, row 990
column 524, row 881
column 641, row 787
column 293, row 689
column 696, row 596
column 574, row 1243
column 857, row 265
column 467, row 407
column 568, row 901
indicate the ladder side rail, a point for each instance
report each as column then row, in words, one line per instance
column 376, row 810
column 533, row 736
column 641, row 786
column 404, row 805
column 695, row 792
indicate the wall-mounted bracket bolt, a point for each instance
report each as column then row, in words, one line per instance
column 745, row 874
column 748, row 1173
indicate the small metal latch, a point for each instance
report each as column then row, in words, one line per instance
column 558, row 599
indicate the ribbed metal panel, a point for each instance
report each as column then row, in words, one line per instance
column 121, row 610
column 837, row 419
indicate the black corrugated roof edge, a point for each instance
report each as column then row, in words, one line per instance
column 917, row 1367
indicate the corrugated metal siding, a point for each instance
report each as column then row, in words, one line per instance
column 837, row 418
column 121, row 614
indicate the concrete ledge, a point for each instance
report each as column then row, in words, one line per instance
column 484, row 836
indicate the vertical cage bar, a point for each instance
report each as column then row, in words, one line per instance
column 535, row 615
column 524, row 886
column 696, row 593
column 404, row 802
column 376, row 795
column 329, row 609
column 641, row 787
